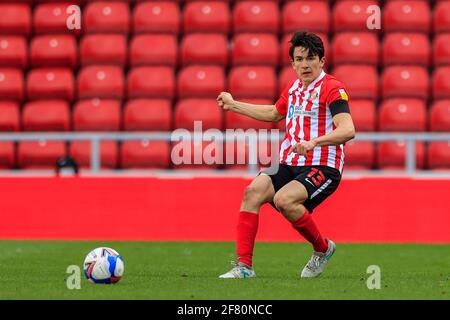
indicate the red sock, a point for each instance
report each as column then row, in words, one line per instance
column 307, row 228
column 246, row 233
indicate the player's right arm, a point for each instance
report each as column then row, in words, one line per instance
column 268, row 113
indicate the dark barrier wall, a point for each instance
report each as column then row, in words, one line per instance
column 362, row 210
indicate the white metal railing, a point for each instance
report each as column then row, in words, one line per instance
column 96, row 137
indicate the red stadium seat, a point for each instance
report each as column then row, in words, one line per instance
column 442, row 16
column 440, row 116
column 285, row 45
column 359, row 155
column 7, row 155
column 255, row 49
column 252, row 82
column 441, row 49
column 256, row 16
column 151, row 82
column 13, row 52
column 206, row 155
column 364, row 114
column 96, row 115
column 101, row 82
column 402, row 115
column 40, row 154
column 355, row 47
column 306, row 15
column 103, row 49
column 235, row 120
column 201, row 81
column 441, row 83
column 204, row 49
column 286, row 77
column 406, row 16
column 51, row 18
column 57, row 83
column 405, row 81
column 80, row 151
column 438, row 155
column 361, row 81
column 46, row 115
column 352, row 15
column 187, row 111
column 206, row 16
column 156, row 17
column 16, row 19
column 11, row 84
column 106, row 17
column 148, row 115
column 154, row 49
column 53, row 51
column 406, row 48
column 9, row 116
column 392, row 155
column 145, row 154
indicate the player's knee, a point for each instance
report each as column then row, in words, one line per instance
column 282, row 202
column 252, row 195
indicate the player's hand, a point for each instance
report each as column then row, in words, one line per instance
column 225, row 100
column 302, row 147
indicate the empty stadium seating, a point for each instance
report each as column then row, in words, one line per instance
column 103, row 49
column 159, row 65
column 13, row 51
column 205, row 110
column 46, row 115
column 97, row 115
column 200, row 81
column 206, row 16
column 402, row 115
column 148, row 115
column 40, row 154
column 80, row 151
column 256, row 16
column 101, row 82
column 145, row 154
column 9, row 116
column 156, row 17
column 153, row 49
column 201, row 48
column 360, row 155
column 54, row 51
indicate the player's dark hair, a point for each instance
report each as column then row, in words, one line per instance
column 309, row 41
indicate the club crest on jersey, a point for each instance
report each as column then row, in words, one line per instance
column 314, row 95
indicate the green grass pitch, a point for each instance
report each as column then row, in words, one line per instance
column 189, row 270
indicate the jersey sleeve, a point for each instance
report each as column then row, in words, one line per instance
column 336, row 92
column 282, row 103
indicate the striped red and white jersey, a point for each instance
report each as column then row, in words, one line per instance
column 308, row 116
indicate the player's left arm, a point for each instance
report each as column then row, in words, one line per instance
column 344, row 131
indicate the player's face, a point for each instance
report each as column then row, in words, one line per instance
column 307, row 67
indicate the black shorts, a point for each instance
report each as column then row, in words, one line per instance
column 319, row 181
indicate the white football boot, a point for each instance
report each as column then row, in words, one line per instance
column 239, row 271
column 317, row 263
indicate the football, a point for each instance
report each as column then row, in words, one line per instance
column 103, row 265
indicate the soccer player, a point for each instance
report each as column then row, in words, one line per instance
column 318, row 123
